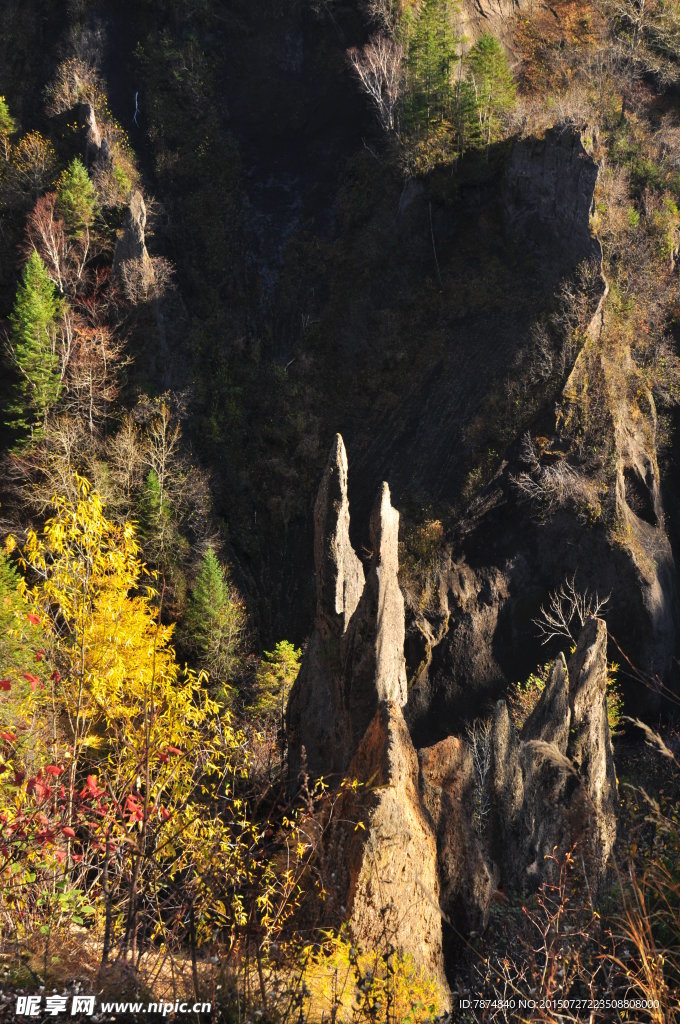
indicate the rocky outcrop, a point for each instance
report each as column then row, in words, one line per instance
column 318, row 722
column 425, row 836
column 461, row 670
column 131, row 260
column 96, row 146
column 640, row 514
column 495, row 16
column 467, row 878
column 590, row 746
column 388, row 866
column 373, row 652
column 548, row 196
column 345, row 717
column 132, row 243
column 355, row 657
column 339, row 573
column 554, row 784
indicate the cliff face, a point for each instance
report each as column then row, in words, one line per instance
column 548, row 197
column 505, row 555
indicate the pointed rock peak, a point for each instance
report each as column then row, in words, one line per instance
column 339, row 573
column 384, row 530
column 88, row 116
column 132, row 243
column 138, row 209
column 382, row 612
column 503, row 728
column 550, row 719
column 590, row 745
column 588, row 666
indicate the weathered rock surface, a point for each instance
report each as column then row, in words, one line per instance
column 93, row 135
column 373, row 652
column 590, row 746
column 429, row 846
column 388, row 868
column 554, row 784
column 461, row 669
column 548, row 196
column 96, row 147
column 466, row 877
column 317, row 717
column 640, row 511
column 345, row 713
column 339, row 573
column 496, row 16
column 132, row 243
column 355, row 658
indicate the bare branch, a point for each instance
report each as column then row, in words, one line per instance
column 567, row 612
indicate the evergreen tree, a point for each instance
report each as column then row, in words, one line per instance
column 275, row 676
column 490, row 92
column 164, row 544
column 432, row 46
column 76, row 198
column 34, row 326
column 216, row 622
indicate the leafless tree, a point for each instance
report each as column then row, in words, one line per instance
column 126, row 459
column 379, row 66
column 76, row 81
column 567, row 611
column 384, row 13
column 550, row 488
column 479, row 740
column 146, row 278
column 648, row 35
column 93, row 379
column 66, row 258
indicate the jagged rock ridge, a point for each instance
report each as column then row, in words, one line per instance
column 355, row 657
column 554, row 783
column 345, row 716
column 426, row 851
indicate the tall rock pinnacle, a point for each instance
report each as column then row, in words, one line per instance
column 339, row 573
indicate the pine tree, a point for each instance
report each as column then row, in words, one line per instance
column 216, row 621
column 432, row 46
column 76, row 198
column 491, row 90
column 34, row 325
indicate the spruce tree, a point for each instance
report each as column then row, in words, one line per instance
column 491, row 90
column 34, row 326
column 76, row 198
column 432, row 46
column 216, row 622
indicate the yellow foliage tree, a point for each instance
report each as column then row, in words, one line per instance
column 160, row 757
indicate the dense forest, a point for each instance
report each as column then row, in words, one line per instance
column 339, row 505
